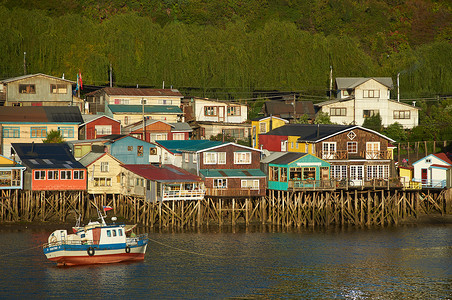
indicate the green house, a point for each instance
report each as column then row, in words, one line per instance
column 299, row 171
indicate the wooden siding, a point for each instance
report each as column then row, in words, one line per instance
column 230, row 149
column 97, row 180
column 58, row 184
column 234, row 188
column 90, row 128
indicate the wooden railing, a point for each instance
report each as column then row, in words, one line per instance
column 339, row 154
column 329, row 184
column 235, row 192
column 344, row 154
column 377, row 154
column 183, row 195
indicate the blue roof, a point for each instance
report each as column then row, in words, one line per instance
column 232, row 173
column 188, row 145
column 158, row 109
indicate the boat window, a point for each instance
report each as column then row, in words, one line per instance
column 120, row 232
column 82, row 235
column 114, row 232
column 108, row 233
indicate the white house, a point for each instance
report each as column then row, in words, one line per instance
column 359, row 98
column 431, row 171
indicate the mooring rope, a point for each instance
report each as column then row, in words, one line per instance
column 28, row 249
column 187, row 251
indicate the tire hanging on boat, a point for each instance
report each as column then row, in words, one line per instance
column 127, row 249
column 90, row 251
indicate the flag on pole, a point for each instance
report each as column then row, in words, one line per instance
column 107, row 208
column 79, row 79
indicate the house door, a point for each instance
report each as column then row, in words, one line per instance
column 356, row 175
column 372, row 150
column 424, row 176
column 221, row 114
column 283, row 145
column 324, row 173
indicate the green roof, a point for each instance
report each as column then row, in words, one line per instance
column 232, row 173
column 176, row 146
column 156, row 109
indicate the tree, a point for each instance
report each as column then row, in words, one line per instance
column 373, row 122
column 396, row 132
column 54, row 136
column 322, row 118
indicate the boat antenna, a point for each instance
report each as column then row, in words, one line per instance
column 99, row 214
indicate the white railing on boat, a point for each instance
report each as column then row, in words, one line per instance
column 129, row 241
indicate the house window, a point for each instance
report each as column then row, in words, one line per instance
column 102, row 129
column 210, row 158
column 104, row 166
column 283, row 174
column 262, row 127
column 242, row 158
column 352, row 147
column 40, row 175
column 210, row 110
column 252, row 184
column 328, row 150
column 367, row 113
column 38, row 132
column 221, row 158
column 309, row 173
column 233, row 110
column 338, row 172
column 187, row 157
column 139, row 150
column 295, row 173
column 356, row 172
column 153, row 151
column 195, row 157
column 79, row 174
column 220, row 183
column 52, row 175
column 129, row 148
column 66, row 175
column 102, row 181
column 338, row 111
column 428, row 160
column 273, row 173
column 67, row 132
column 178, row 136
column 27, row 89
column 126, row 120
column 377, row 172
column 401, row 114
column 11, row 132
column 58, row 89
column 371, row 93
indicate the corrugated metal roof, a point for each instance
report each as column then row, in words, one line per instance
column 142, row 92
column 181, row 126
column 287, row 158
column 166, row 173
column 34, row 75
column 54, row 114
column 209, row 173
column 353, row 82
column 285, row 109
column 189, row 145
column 138, row 109
column 309, row 132
column 46, row 156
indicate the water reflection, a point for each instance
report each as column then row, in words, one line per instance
column 256, row 262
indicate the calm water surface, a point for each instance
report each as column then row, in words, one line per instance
column 384, row 263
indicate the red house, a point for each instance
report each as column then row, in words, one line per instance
column 157, row 130
column 97, row 126
column 50, row 167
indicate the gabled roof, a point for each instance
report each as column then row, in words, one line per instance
column 441, row 156
column 90, row 118
column 272, row 156
column 46, row 114
column 139, row 125
column 8, row 80
column 352, row 82
column 286, row 110
column 116, row 91
column 317, row 132
column 165, row 173
column 181, row 126
column 265, row 118
column 287, row 158
column 176, row 146
column 324, row 103
column 148, row 109
column 223, row 173
column 228, row 144
column 46, row 156
column 6, row 162
column 92, row 157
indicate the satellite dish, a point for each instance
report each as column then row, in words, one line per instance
column 114, row 219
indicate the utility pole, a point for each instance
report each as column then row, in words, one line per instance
column 111, row 76
column 331, row 81
column 25, row 63
column 294, row 108
column 144, row 121
column 398, row 87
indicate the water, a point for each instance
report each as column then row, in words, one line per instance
column 384, row 263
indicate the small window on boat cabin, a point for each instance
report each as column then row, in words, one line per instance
column 82, row 235
column 114, row 232
column 120, row 232
column 108, row 233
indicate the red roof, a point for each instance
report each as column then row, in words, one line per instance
column 441, row 166
column 443, row 157
column 164, row 173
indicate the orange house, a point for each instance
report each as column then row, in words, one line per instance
column 50, row 167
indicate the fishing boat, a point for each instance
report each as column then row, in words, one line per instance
column 95, row 243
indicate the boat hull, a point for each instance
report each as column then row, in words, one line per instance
column 67, row 255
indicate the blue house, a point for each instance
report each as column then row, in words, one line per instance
column 299, row 171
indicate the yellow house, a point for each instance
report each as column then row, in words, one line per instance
column 104, row 173
column 263, row 125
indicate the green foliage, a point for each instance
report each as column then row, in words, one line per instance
column 373, row 122
column 396, row 132
column 54, row 137
column 322, row 118
column 304, row 119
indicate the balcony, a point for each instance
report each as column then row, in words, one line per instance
column 339, row 154
column 235, row 192
column 344, row 155
column 312, row 185
column 376, row 154
column 183, row 195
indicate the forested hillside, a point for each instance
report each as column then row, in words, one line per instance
column 230, row 48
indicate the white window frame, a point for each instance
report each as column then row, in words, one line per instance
column 378, row 172
column 67, row 175
column 338, row 172
column 262, row 127
column 178, row 136
column 242, row 158
column 210, row 158
column 80, row 174
column 223, row 185
column 329, row 150
column 352, row 143
column 103, row 129
column 252, row 184
column 40, row 175
column 221, row 158
column 104, row 166
column 51, row 175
